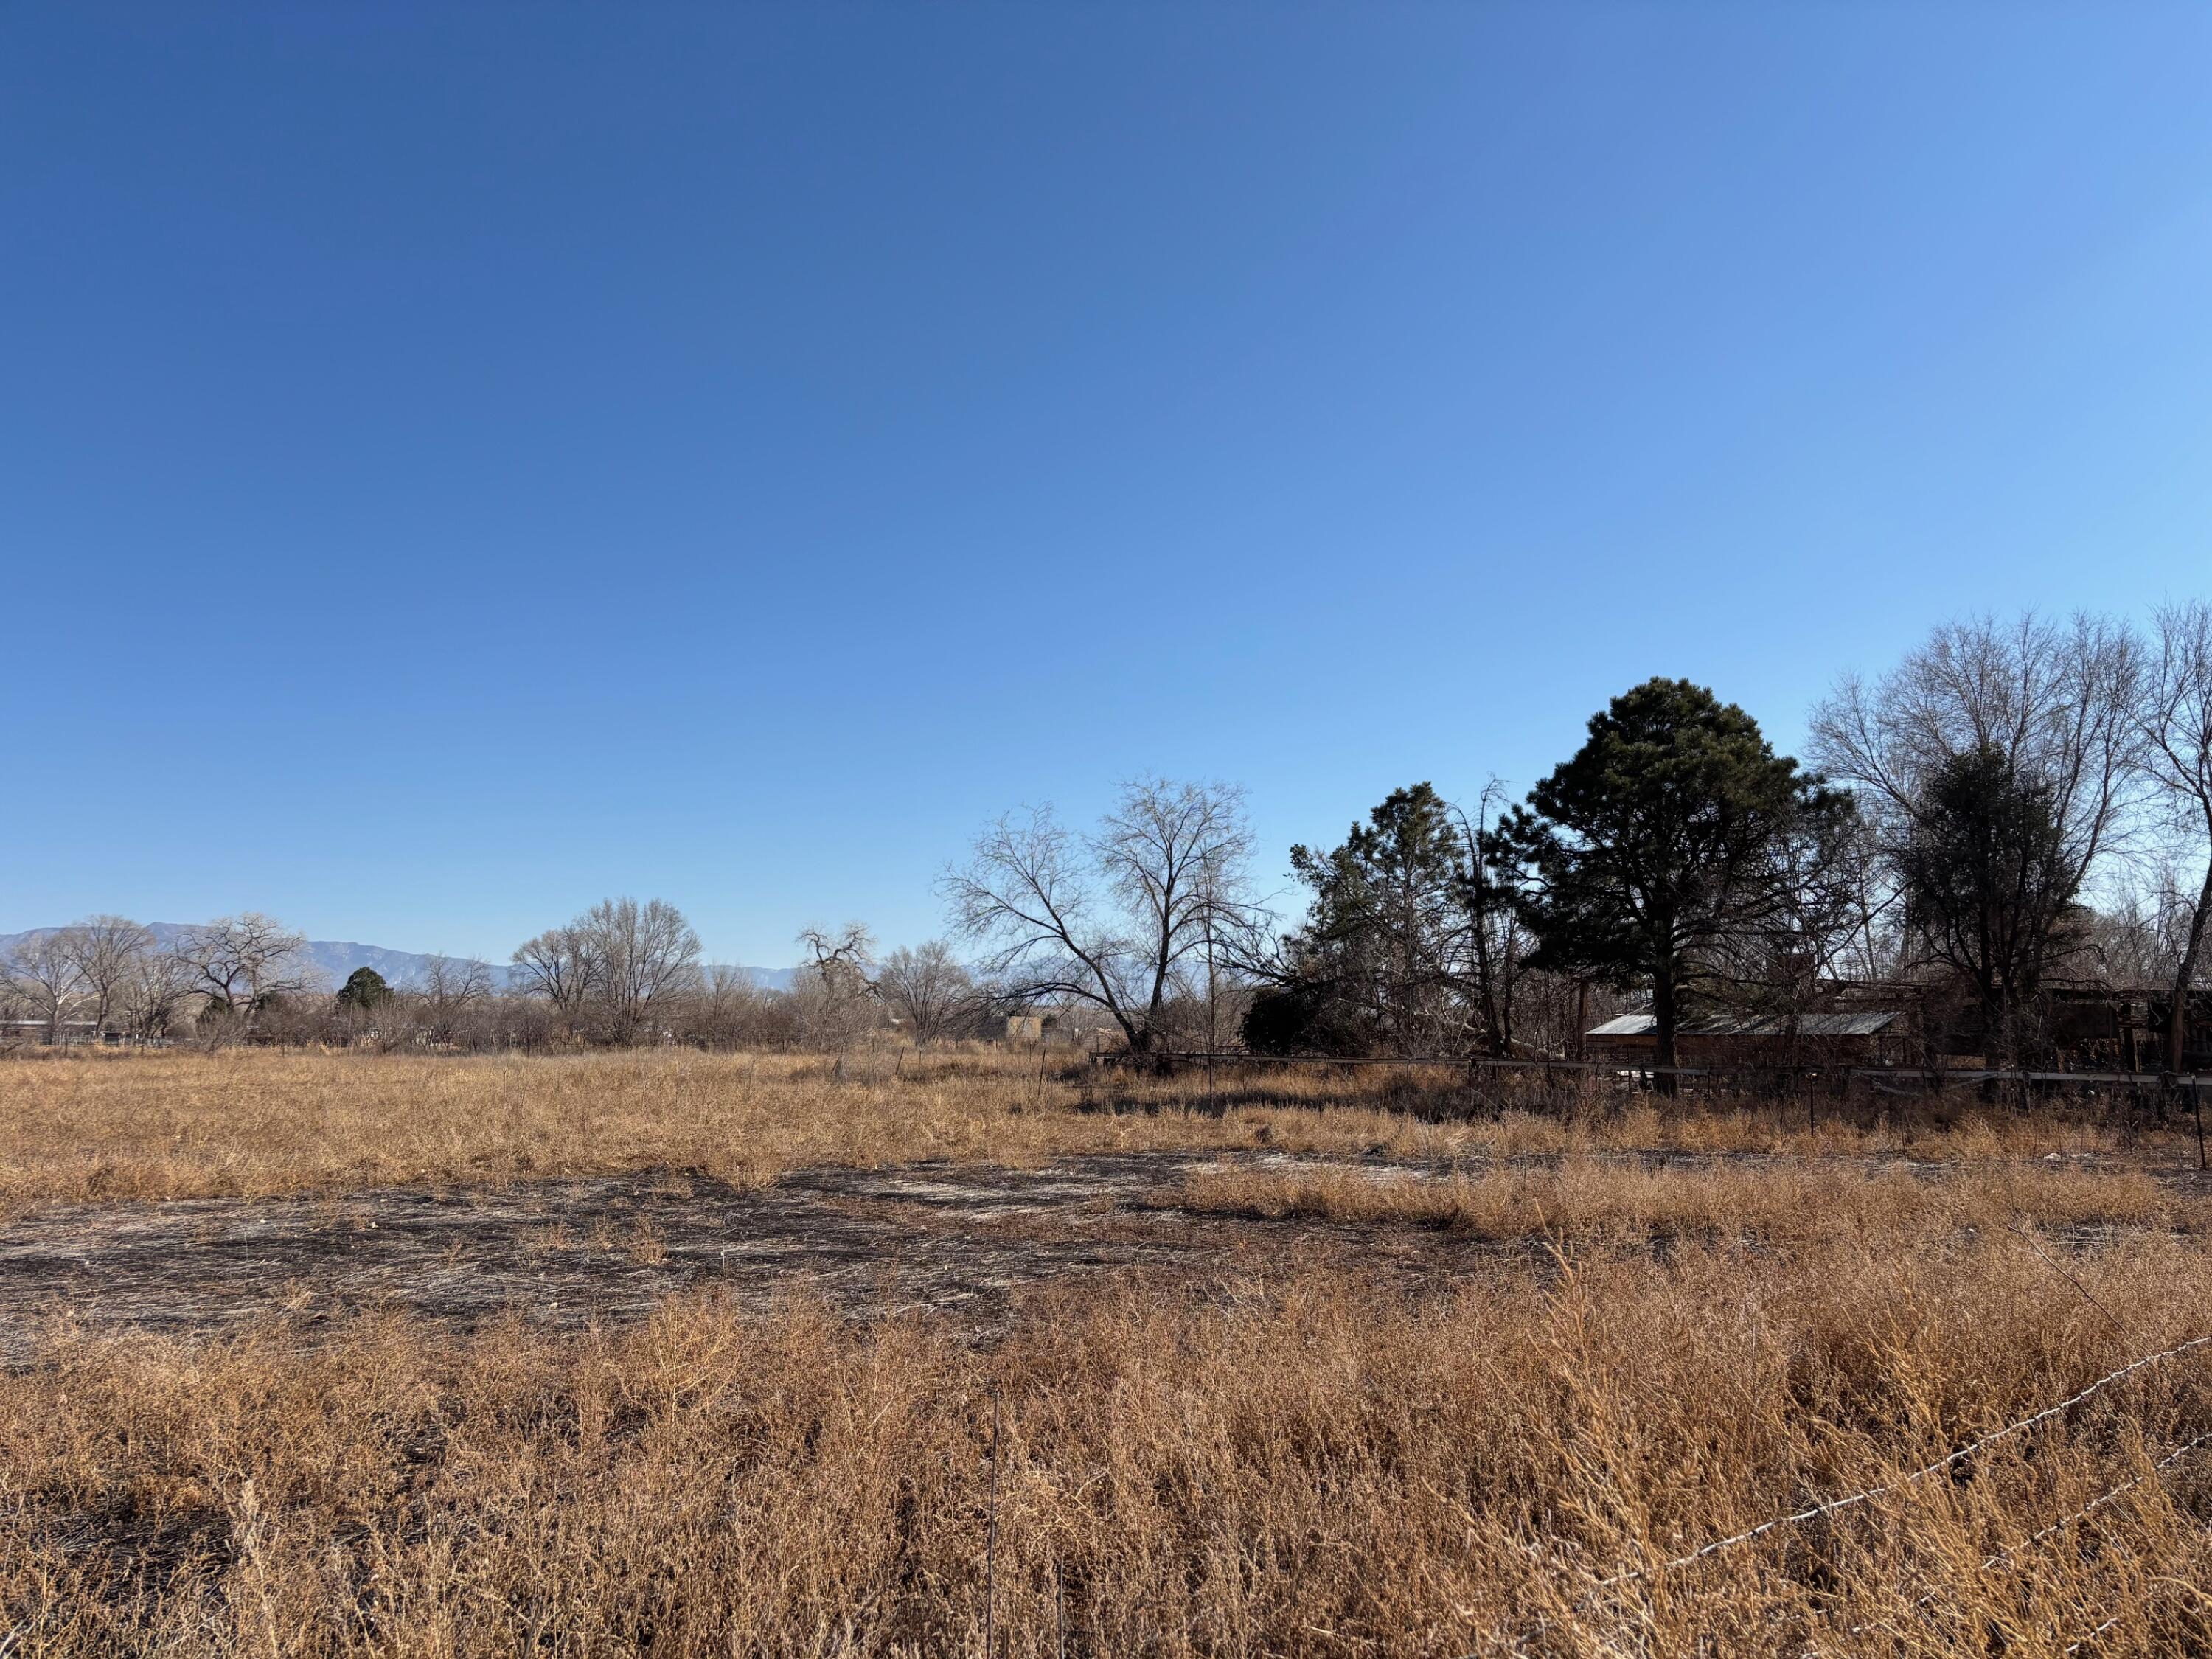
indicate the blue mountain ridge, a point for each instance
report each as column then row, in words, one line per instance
column 338, row 958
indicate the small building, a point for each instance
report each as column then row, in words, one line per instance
column 1861, row 1036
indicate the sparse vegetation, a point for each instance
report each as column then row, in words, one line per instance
column 260, row 1122
column 1305, row 1466
column 1592, row 1197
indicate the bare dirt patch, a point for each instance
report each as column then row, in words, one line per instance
column 965, row 1241
column 954, row 1239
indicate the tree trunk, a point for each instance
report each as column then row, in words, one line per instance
column 1665, row 1016
column 1139, row 1037
column 2177, row 1019
column 1499, row 1042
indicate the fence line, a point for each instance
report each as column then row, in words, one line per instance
column 2064, row 1520
column 2100, row 1500
column 1830, row 1506
column 1867, row 1495
column 1936, row 1077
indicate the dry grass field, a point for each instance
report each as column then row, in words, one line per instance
column 247, row 1123
column 1584, row 1197
column 1628, row 1333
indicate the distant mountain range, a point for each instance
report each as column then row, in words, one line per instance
column 338, row 958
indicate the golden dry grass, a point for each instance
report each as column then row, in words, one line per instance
column 1308, row 1468
column 1309, row 1460
column 179, row 1125
column 1583, row 1197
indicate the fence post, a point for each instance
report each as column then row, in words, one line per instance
column 2196, row 1111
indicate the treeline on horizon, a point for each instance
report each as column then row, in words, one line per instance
column 2015, row 808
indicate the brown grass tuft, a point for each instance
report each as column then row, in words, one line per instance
column 1586, row 1197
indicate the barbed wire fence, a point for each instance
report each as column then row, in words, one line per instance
column 1937, row 1079
column 1962, row 1455
column 1769, row 1081
column 1951, row 1459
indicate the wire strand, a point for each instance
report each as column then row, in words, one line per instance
column 1832, row 1505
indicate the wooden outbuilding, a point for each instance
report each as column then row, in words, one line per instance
column 1861, row 1037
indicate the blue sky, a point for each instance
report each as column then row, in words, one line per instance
column 457, row 462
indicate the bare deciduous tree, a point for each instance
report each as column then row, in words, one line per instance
column 647, row 958
column 559, row 965
column 108, row 951
column 2174, row 720
column 841, row 957
column 2058, row 704
column 731, row 1009
column 451, row 990
column 43, row 973
column 1775, row 965
column 2059, row 700
column 1498, row 943
column 1121, row 918
column 238, row 962
column 2137, row 937
column 153, row 995
column 927, row 988
column 837, row 1001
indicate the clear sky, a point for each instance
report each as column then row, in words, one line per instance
column 458, row 462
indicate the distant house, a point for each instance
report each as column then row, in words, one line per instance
column 1861, row 1037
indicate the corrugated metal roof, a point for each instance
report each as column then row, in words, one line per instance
column 1627, row 1025
column 1864, row 1023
